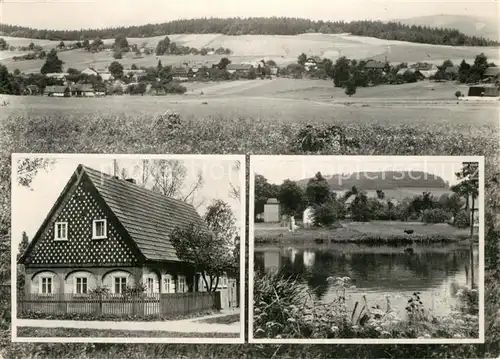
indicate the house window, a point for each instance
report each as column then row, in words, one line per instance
column 182, row 284
column 81, row 285
column 46, row 285
column 150, row 284
column 61, row 231
column 167, row 284
column 120, row 285
column 99, row 229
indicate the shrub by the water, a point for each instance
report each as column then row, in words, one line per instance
column 436, row 215
column 462, row 219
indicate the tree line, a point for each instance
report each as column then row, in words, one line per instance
column 263, row 26
column 328, row 207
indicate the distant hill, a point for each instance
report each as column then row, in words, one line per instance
column 371, row 181
column 469, row 25
column 262, row 26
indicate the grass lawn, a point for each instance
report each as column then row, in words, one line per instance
column 362, row 231
column 105, row 333
column 228, row 319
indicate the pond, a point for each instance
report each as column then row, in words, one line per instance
column 435, row 272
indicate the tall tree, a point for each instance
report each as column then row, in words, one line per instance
column 318, row 190
column 116, row 69
column 52, row 63
column 263, row 190
column 292, row 198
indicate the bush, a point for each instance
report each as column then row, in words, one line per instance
column 326, row 214
column 175, row 88
column 462, row 219
column 436, row 215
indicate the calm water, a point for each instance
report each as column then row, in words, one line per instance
column 377, row 271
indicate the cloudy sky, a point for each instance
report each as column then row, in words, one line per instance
column 31, row 205
column 279, row 168
column 71, row 14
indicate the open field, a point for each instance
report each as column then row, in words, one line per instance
column 351, row 231
column 33, row 332
column 282, row 101
column 282, row 49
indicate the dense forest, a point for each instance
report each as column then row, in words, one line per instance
column 382, row 180
column 262, row 26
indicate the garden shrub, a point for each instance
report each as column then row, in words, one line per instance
column 436, row 215
column 462, row 219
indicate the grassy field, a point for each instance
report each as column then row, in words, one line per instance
column 33, row 332
column 350, row 231
column 282, row 49
column 283, row 101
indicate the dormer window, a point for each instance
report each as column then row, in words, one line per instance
column 61, row 231
column 99, row 229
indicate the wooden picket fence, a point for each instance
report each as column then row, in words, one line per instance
column 156, row 304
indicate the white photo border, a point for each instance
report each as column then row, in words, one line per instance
column 383, row 159
column 165, row 340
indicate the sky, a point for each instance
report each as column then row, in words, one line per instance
column 31, row 205
column 76, row 14
column 276, row 169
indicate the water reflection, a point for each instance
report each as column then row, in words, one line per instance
column 377, row 273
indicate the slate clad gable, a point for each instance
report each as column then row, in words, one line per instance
column 79, row 211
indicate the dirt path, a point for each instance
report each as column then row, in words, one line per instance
column 191, row 325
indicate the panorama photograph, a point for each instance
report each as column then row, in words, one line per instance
column 358, row 78
column 366, row 248
column 128, row 247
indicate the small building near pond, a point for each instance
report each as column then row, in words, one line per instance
column 272, row 211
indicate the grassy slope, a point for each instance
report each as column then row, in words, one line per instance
column 282, row 49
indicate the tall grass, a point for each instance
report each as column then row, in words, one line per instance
column 145, row 134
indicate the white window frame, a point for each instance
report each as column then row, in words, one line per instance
column 150, row 288
column 65, row 226
column 40, row 285
column 122, row 287
column 81, row 277
column 181, row 279
column 167, row 283
column 94, row 228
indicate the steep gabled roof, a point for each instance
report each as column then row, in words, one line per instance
column 492, row 71
column 147, row 217
column 236, row 67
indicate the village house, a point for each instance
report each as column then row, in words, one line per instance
column 57, row 91
column 492, row 73
column 82, row 90
column 484, row 90
column 239, row 69
column 104, row 74
column 376, row 65
column 182, row 73
column 107, row 232
column 312, row 63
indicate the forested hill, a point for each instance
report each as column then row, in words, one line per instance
column 263, row 26
column 382, row 180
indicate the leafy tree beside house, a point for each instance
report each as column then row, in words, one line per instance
column 23, row 245
column 116, row 69
column 52, row 63
column 318, row 190
column 121, row 44
column 163, row 46
column 292, row 198
column 3, row 44
column 208, row 248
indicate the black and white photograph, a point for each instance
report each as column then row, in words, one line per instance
column 156, row 80
column 384, row 248
column 128, row 246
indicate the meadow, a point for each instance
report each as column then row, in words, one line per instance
column 282, row 49
column 265, row 124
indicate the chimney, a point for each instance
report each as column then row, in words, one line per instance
column 131, row 180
